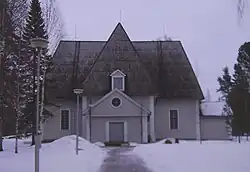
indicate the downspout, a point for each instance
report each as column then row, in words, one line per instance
column 200, row 113
column 200, row 131
column 141, row 127
column 90, row 123
column 148, row 125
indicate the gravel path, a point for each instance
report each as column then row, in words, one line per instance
column 119, row 161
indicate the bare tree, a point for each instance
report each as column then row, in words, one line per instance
column 54, row 23
column 54, row 26
column 241, row 7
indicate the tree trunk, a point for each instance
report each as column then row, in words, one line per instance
column 1, row 134
column 1, row 113
column 1, row 140
column 1, row 98
column 17, row 112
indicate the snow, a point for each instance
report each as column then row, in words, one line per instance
column 212, row 108
column 163, row 140
column 133, row 144
column 210, row 156
column 100, row 144
column 56, row 156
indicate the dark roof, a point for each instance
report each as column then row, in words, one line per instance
column 151, row 67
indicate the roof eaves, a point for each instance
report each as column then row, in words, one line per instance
column 196, row 79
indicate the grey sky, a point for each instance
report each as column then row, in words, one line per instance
column 209, row 30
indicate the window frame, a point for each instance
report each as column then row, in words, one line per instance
column 178, row 115
column 112, row 102
column 123, row 82
column 69, row 122
column 118, row 74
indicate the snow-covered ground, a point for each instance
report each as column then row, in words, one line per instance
column 191, row 156
column 56, row 156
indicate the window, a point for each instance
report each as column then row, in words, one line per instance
column 173, row 115
column 118, row 83
column 116, row 102
column 118, row 80
column 65, row 120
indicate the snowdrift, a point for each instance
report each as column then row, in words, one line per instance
column 56, row 156
column 211, row 156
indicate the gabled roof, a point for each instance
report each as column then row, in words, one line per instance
column 118, row 53
column 158, row 67
column 122, row 94
column 117, row 72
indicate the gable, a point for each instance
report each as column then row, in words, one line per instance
column 118, row 73
column 118, row 53
column 118, row 80
column 127, row 107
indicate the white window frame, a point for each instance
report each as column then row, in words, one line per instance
column 112, row 103
column 178, row 118
column 61, row 119
column 118, row 74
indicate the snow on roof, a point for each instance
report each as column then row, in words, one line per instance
column 212, row 108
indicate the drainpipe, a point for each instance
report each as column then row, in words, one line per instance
column 148, row 131
column 141, row 127
column 90, row 123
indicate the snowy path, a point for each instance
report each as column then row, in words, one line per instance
column 119, row 160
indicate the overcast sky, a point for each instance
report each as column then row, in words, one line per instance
column 209, row 30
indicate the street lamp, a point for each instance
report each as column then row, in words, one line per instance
column 78, row 92
column 39, row 44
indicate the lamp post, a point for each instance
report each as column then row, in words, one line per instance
column 39, row 44
column 78, row 92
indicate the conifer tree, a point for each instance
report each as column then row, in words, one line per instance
column 235, row 91
column 6, row 38
column 34, row 27
column 225, row 83
column 238, row 100
column 244, row 61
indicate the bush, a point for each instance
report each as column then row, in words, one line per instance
column 168, row 142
